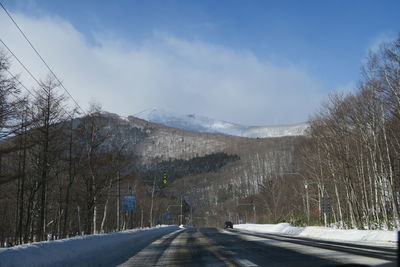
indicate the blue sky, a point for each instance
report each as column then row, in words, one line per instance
column 321, row 43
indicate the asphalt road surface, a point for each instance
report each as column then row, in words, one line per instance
column 218, row 247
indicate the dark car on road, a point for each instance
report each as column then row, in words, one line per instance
column 228, row 224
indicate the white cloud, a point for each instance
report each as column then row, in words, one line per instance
column 165, row 71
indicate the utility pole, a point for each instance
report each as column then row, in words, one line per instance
column 141, row 219
column 181, row 210
column 79, row 220
column 152, row 202
column 191, row 215
column 307, row 203
column 118, row 201
column 131, row 211
column 255, row 216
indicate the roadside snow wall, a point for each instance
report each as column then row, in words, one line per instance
column 376, row 237
column 91, row 250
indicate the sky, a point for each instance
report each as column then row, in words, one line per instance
column 243, row 61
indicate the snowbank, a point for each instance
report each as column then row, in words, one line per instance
column 91, row 250
column 376, row 237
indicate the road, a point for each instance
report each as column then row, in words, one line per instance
column 218, row 247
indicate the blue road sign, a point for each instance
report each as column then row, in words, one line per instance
column 168, row 216
column 129, row 203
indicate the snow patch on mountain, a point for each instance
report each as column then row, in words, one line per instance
column 197, row 123
column 276, row 131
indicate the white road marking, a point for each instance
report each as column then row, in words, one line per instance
column 245, row 262
column 343, row 257
column 146, row 255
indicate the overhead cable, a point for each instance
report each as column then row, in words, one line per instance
column 41, row 58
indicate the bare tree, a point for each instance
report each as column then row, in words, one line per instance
column 93, row 133
column 50, row 112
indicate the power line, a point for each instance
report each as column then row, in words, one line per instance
column 22, row 64
column 140, row 112
column 41, row 58
column 37, row 94
column 26, row 88
column 30, row 73
column 33, row 77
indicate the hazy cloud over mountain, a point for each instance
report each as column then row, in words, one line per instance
column 188, row 76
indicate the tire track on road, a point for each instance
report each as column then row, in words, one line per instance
column 150, row 255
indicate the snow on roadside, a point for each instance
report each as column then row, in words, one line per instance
column 90, row 250
column 373, row 237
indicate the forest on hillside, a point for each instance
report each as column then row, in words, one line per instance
column 345, row 172
column 352, row 154
column 60, row 169
column 178, row 168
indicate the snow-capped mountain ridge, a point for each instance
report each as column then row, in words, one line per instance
column 197, row 123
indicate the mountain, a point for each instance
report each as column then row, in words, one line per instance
column 212, row 171
column 214, row 174
column 202, row 124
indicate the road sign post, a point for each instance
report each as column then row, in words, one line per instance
column 129, row 202
column 168, row 216
column 325, row 205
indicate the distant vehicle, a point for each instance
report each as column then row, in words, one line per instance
column 228, row 224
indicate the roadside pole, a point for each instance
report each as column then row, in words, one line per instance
column 255, row 216
column 152, row 201
column 398, row 248
column 118, row 201
column 307, row 202
column 181, row 210
column 131, row 211
column 141, row 219
column 191, row 215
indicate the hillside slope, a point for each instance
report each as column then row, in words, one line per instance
column 259, row 159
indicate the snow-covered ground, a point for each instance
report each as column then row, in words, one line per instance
column 116, row 248
column 98, row 250
column 370, row 237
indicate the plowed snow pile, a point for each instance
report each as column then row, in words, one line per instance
column 373, row 237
